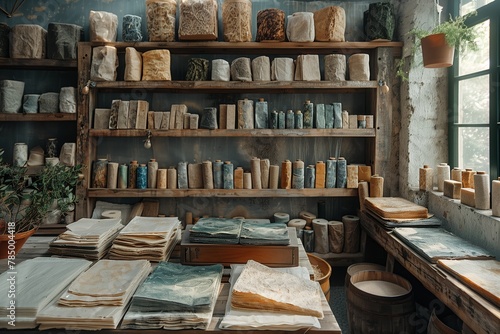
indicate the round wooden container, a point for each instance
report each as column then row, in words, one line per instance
column 326, row 270
column 357, row 267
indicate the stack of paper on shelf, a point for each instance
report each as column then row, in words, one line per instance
column 264, row 234
column 147, row 238
column 97, row 298
column 37, row 281
column 265, row 317
column 87, row 237
column 175, row 297
column 216, row 231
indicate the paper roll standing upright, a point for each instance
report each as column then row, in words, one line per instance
column 351, row 233
column 152, row 170
column 443, row 173
column 376, row 186
column 112, row 181
column 482, row 193
column 274, row 172
column 298, row 174
column 286, row 174
column 264, row 173
column 256, row 173
column 495, row 198
column 208, row 178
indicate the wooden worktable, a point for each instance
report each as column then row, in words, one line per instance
column 475, row 311
column 38, row 246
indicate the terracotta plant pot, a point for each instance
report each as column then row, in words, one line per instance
column 436, row 51
column 18, row 242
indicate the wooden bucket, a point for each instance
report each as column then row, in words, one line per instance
column 326, row 272
column 437, row 326
column 379, row 302
column 357, row 267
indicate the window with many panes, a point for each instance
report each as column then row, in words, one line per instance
column 474, row 92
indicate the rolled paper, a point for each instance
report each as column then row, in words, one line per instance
column 11, row 96
column 160, row 16
column 467, row 196
column 231, row 116
column 237, row 20
column 20, row 154
column 331, row 173
column 335, row 67
column 337, row 114
column 321, row 242
column 133, row 65
column 156, row 65
column 320, row 120
column 104, row 63
column 352, row 176
column 299, row 120
column 264, row 173
column 221, row 71
column 482, row 190
column 336, row 236
column 112, row 181
column 456, row 174
column 198, row 20
column 152, row 170
column 352, row 231
column 369, row 121
column 67, row 100
column 261, row 114
column 261, row 69
column 281, row 120
column 274, row 172
column 443, row 173
column 241, row 69
column 329, row 24
column 273, row 120
column 30, row 103
column 495, row 198
column 359, row 67
column 142, row 176
column 320, row 175
column 218, row 179
column 195, row 176
column 62, row 40
column 247, row 180
column 28, row 41
column 227, row 174
column 290, row 119
column 308, row 114
column 270, row 25
column 208, row 175
column 363, row 192
column 281, row 217
column 376, row 186
column 298, row 174
column 298, row 223
column 425, row 180
column 132, row 174
column 131, row 28
column 452, row 189
column 245, row 114
column 172, row 178
column 286, row 174
column 256, row 173
column 100, row 173
column 329, row 116
column 310, row 176
column 238, row 178
column 308, row 236
column 103, row 26
column 209, row 118
column 197, row 69
column 122, row 176
column 182, row 175
column 307, row 216
column 468, row 178
column 341, row 173
column 282, row 69
column 300, row 27
column 4, row 40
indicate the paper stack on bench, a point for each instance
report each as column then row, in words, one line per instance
column 97, row 298
column 88, row 238
column 175, row 297
column 216, row 231
column 147, row 238
column 37, row 282
column 264, row 234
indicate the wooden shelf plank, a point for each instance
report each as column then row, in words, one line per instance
column 37, row 117
column 243, row 193
column 38, row 63
column 355, row 133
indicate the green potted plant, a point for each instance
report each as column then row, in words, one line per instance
column 26, row 200
column 439, row 44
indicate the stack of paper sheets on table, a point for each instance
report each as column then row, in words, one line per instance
column 216, row 231
column 264, row 234
column 147, row 238
column 37, row 282
column 272, row 299
column 175, row 297
column 97, row 298
column 88, row 238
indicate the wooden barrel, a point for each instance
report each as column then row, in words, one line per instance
column 357, row 267
column 322, row 278
column 379, row 302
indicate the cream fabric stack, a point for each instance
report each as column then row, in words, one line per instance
column 147, row 238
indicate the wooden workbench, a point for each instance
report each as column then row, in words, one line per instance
column 475, row 311
column 38, row 246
